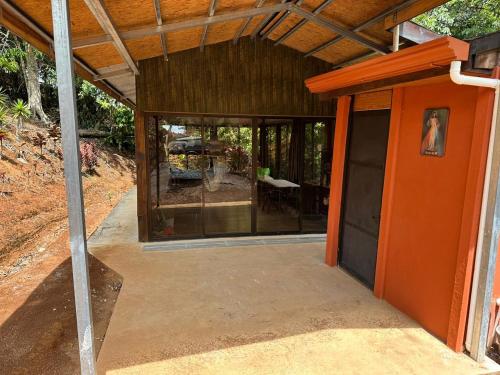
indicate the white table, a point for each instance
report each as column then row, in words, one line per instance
column 281, row 183
column 280, row 186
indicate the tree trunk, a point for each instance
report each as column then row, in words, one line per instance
column 31, row 74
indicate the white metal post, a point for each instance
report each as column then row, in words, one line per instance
column 395, row 38
column 74, row 191
column 485, row 277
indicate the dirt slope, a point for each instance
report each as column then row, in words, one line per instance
column 37, row 319
column 32, row 196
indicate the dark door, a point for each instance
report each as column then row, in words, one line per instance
column 364, row 181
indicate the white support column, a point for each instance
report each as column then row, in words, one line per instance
column 484, row 274
column 395, row 38
column 74, row 191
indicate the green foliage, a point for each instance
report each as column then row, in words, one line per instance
column 3, row 116
column 8, row 64
column 20, row 109
column 463, row 19
column 122, row 131
column 4, row 98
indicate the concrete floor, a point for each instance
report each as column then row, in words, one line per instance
column 252, row 310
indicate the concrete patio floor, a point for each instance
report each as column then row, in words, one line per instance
column 252, row 310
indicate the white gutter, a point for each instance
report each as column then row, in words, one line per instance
column 460, row 79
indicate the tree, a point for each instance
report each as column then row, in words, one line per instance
column 19, row 59
column 20, row 111
column 463, row 19
column 122, row 131
column 31, row 73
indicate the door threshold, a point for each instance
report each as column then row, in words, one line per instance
column 226, row 242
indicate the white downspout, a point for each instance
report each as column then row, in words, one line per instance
column 460, row 79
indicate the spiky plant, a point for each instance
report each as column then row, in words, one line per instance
column 4, row 98
column 21, row 111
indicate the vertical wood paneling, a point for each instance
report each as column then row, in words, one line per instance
column 251, row 78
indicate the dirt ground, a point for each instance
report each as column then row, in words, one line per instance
column 32, row 197
column 37, row 319
column 39, row 336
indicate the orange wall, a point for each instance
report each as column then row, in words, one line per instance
column 337, row 178
column 433, row 206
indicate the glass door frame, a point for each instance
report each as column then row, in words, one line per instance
column 255, row 122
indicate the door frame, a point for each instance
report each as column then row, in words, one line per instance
column 256, row 120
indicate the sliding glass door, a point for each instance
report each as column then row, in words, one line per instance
column 177, row 187
column 227, row 176
column 278, row 182
column 220, row 176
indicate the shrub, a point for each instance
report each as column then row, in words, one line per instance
column 238, row 159
column 54, row 135
column 89, row 154
column 121, row 134
column 39, row 140
column 21, row 111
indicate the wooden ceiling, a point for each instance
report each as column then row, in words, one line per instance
column 130, row 15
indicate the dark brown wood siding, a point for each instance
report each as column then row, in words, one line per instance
column 251, row 78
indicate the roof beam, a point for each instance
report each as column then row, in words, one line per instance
column 415, row 33
column 354, row 60
column 142, row 32
column 211, row 12
column 363, row 26
column 283, row 17
column 410, row 11
column 245, row 24
column 297, row 27
column 102, row 17
column 113, row 74
column 267, row 19
column 159, row 22
column 321, row 21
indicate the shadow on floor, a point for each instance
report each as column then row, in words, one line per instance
column 40, row 337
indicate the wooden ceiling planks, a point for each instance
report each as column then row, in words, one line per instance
column 344, row 14
column 309, row 36
column 342, row 51
column 131, row 14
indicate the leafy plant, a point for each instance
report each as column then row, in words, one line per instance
column 89, row 156
column 122, row 132
column 21, row 111
column 238, row 159
column 54, row 135
column 4, row 98
column 39, row 140
column 463, row 19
